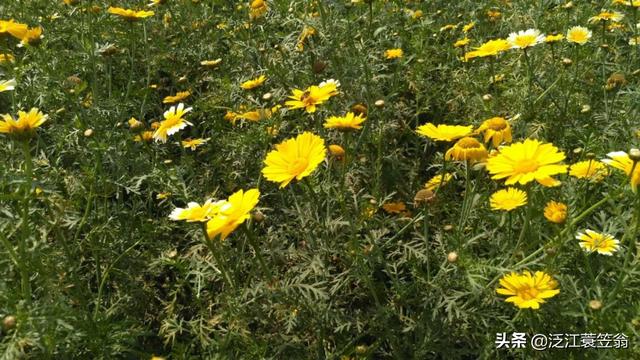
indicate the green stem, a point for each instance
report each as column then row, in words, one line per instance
column 26, row 230
column 254, row 244
column 211, row 245
column 425, row 234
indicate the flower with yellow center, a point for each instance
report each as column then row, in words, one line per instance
column 601, row 243
column 497, row 130
column 525, row 38
column 528, row 290
column 257, row 8
column 579, row 35
column 232, row 213
column 10, row 27
column 294, row 158
column 172, row 123
column 32, row 36
column 622, row 161
column 467, row 149
column 461, row 43
column 523, row 162
column 193, row 143
column 27, row 122
column 253, row 83
column 613, row 16
column 8, row 85
column 550, row 39
column 489, row 48
column 444, row 132
column 508, row 199
column 128, row 14
column 176, row 98
column 196, row 212
column 211, row 63
column 393, row 54
column 438, row 181
column 556, row 212
column 348, row 122
column 590, row 169
column 312, row 96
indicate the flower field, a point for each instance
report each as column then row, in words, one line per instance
column 319, row 179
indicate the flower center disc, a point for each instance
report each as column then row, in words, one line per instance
column 298, row 166
column 526, row 166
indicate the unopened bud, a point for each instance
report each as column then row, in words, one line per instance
column 452, row 257
column 567, row 61
column 267, row 96
column 258, row 216
column 379, row 103
column 9, row 322
column 595, row 304
column 487, row 97
column 88, row 132
column 634, row 154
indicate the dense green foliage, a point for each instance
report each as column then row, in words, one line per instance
column 110, row 276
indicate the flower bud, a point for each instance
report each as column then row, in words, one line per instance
column 452, row 257
column 9, row 322
column 379, row 103
column 634, row 154
column 258, row 216
column 595, row 304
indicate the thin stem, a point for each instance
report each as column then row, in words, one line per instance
column 252, row 241
column 26, row 230
column 210, row 243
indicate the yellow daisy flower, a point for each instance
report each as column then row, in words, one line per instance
column 553, row 38
column 176, row 98
column 607, row 16
column 556, row 212
column 193, row 143
column 145, row 136
column 232, row 213
column 257, row 8
column 211, row 63
column 508, row 199
column 393, row 54
column 601, row 243
column 294, row 159
column 437, row 181
column 350, row 121
column 6, row 58
column 195, row 212
column 497, row 130
column 313, row 96
column 467, row 149
column 528, row 290
column 253, row 83
column 523, row 162
column 489, row 48
column 27, row 122
column 461, row 43
column 10, row 27
column 590, row 169
column 525, row 38
column 622, row 161
column 172, row 123
column 32, row 36
column 128, row 14
column 8, row 85
column 444, row 132
column 579, row 35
